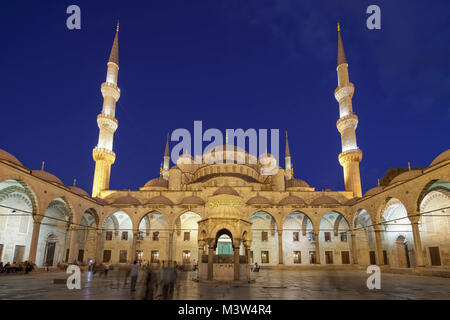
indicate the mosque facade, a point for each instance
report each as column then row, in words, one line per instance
column 227, row 216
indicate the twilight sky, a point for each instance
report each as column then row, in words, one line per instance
column 259, row 64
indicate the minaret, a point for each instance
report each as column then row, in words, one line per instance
column 287, row 161
column 351, row 155
column 103, row 154
column 165, row 168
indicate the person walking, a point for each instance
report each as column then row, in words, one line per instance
column 173, row 279
column 107, row 266
column 166, row 278
column 152, row 283
column 134, row 275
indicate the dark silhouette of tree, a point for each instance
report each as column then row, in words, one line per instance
column 392, row 173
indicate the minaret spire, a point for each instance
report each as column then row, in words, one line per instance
column 114, row 55
column 287, row 161
column 165, row 168
column 166, row 151
column 103, row 153
column 351, row 155
column 341, row 53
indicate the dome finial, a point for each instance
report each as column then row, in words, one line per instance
column 43, row 165
column 74, row 182
column 338, row 27
column 117, row 29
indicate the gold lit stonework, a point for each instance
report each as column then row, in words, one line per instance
column 227, row 203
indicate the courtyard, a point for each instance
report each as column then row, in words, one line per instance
column 267, row 285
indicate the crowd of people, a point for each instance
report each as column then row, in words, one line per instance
column 159, row 279
column 14, row 267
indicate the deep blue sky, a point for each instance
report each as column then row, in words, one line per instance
column 233, row 64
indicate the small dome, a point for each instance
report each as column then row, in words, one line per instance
column 9, row 157
column 194, row 200
column 78, row 191
column 373, row 191
column 324, row 200
column 296, row 183
column 226, row 190
column 157, row 182
column 351, row 202
column 185, row 159
column 407, row 175
column 126, row 200
column 160, row 200
column 292, row 200
column 258, row 200
column 442, row 157
column 44, row 175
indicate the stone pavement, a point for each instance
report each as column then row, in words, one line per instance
column 269, row 284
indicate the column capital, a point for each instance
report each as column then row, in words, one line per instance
column 414, row 218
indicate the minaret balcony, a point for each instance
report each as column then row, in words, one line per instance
column 349, row 121
column 110, row 90
column 353, row 155
column 342, row 92
column 103, row 154
column 107, row 122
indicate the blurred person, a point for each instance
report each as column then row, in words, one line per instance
column 134, row 275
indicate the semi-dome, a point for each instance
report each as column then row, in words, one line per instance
column 324, row 200
column 78, row 191
column 292, row 200
column 442, row 157
column 193, row 200
column 296, row 183
column 407, row 175
column 160, row 200
column 44, row 175
column 259, row 200
column 226, row 190
column 373, row 191
column 157, row 182
column 126, row 200
column 9, row 157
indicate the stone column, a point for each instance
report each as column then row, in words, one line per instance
column 417, row 243
column 98, row 247
column 236, row 263
column 170, row 246
column 73, row 245
column 199, row 260
column 379, row 247
column 247, row 251
column 34, row 241
column 280, row 247
column 210, row 260
column 354, row 248
column 316, row 236
column 133, row 248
